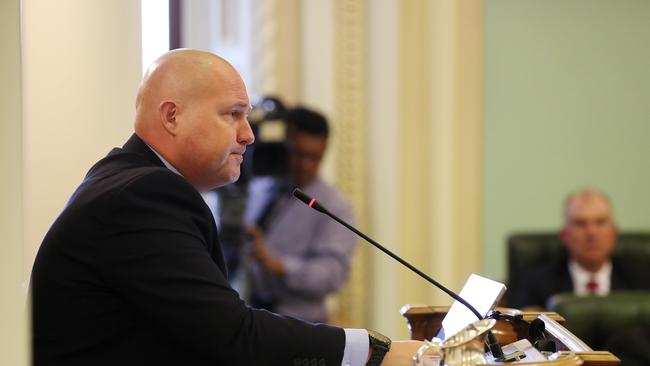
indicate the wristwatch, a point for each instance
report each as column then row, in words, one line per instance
column 380, row 344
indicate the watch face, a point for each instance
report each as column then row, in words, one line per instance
column 380, row 337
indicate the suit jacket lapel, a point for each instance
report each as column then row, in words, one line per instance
column 135, row 145
column 565, row 282
column 619, row 279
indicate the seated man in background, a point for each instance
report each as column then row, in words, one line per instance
column 298, row 256
column 590, row 235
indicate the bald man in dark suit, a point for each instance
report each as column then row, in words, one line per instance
column 131, row 272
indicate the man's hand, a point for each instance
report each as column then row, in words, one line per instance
column 260, row 251
column 401, row 353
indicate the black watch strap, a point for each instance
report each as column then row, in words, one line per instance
column 380, row 344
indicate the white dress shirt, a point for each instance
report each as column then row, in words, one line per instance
column 581, row 277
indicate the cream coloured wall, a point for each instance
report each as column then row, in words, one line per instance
column 81, row 68
column 405, row 95
column 317, row 68
column 13, row 277
column 67, row 96
column 384, row 125
column 422, row 181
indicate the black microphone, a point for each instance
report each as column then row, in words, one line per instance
column 536, row 333
column 494, row 346
column 536, row 329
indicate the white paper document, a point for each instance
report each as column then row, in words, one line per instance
column 482, row 293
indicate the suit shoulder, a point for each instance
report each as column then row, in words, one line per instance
column 122, row 169
column 155, row 179
column 125, row 166
column 125, row 181
column 630, row 274
column 162, row 188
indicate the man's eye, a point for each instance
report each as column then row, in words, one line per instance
column 579, row 223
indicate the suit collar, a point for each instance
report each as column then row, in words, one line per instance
column 137, row 146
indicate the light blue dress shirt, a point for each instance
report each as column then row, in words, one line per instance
column 314, row 249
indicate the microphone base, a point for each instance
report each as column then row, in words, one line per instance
column 516, row 351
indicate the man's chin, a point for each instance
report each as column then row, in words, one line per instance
column 593, row 262
column 234, row 176
column 221, row 181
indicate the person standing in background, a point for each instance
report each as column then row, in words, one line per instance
column 298, row 257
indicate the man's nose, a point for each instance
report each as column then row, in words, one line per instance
column 246, row 135
column 592, row 231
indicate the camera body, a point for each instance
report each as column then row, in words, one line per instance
column 268, row 154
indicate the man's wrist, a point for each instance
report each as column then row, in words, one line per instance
column 379, row 346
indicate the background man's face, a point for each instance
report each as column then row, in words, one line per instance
column 589, row 232
column 305, row 155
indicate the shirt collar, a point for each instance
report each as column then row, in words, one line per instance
column 167, row 164
column 581, row 277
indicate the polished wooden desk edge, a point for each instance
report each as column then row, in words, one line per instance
column 563, row 359
column 428, row 310
column 599, row 358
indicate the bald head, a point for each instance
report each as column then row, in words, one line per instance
column 579, row 198
column 178, row 75
column 192, row 109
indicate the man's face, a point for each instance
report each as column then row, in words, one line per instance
column 215, row 132
column 305, row 155
column 589, row 233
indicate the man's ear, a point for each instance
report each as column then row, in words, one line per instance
column 167, row 112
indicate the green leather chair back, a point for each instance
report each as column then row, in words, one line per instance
column 534, row 250
column 596, row 318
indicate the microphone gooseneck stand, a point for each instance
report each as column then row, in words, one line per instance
column 493, row 344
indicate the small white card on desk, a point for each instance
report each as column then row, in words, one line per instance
column 482, row 293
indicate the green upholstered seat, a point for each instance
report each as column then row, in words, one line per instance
column 594, row 319
column 534, row 250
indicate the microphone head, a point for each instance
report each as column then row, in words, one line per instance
column 299, row 194
column 536, row 328
column 309, row 201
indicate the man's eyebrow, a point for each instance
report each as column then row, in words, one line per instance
column 243, row 107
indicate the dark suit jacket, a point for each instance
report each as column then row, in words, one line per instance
column 131, row 273
column 544, row 282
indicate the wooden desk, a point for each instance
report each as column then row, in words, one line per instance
column 424, row 322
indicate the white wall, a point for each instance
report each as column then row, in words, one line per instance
column 67, row 96
column 81, row 69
